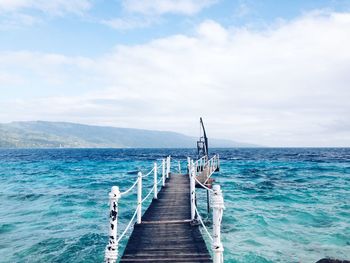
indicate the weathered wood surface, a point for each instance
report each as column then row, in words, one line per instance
column 165, row 234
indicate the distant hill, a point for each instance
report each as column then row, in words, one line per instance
column 43, row 134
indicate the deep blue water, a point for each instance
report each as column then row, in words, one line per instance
column 282, row 205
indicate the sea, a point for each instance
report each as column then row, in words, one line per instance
column 281, row 204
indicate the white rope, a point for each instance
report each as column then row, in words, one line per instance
column 127, row 191
column 127, row 228
column 143, row 176
column 159, row 167
column 211, row 171
column 144, row 199
column 205, row 228
column 203, row 185
column 160, row 180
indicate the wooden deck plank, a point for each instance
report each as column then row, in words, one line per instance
column 165, row 234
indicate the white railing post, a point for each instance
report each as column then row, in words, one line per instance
column 209, row 166
column 111, row 252
column 193, row 192
column 163, row 171
column 218, row 207
column 179, row 165
column 195, row 166
column 155, row 185
column 168, row 167
column 139, row 198
column 189, row 165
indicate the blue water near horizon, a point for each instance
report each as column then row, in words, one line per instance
column 282, row 204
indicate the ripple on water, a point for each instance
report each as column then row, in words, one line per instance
column 86, row 249
column 25, row 197
column 254, row 258
column 6, row 228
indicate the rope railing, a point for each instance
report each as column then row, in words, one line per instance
column 111, row 252
column 145, row 198
column 206, row 167
column 205, row 187
column 127, row 191
column 159, row 167
column 143, row 176
column 202, row 223
column 128, row 226
column 213, row 164
column 147, row 174
column 217, row 203
column 164, row 169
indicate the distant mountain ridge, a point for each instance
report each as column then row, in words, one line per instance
column 44, row 134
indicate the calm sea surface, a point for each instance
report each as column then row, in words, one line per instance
column 282, row 205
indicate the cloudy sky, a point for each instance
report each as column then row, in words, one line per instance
column 270, row 72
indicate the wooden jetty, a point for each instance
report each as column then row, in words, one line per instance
column 169, row 230
column 165, row 233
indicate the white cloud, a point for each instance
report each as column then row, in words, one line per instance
column 12, row 5
column 242, row 10
column 129, row 23
column 19, row 13
column 55, row 7
column 17, row 20
column 159, row 7
column 285, row 86
column 145, row 13
column 210, row 30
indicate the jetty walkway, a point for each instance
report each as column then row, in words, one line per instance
column 169, row 230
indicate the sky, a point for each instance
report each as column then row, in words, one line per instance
column 273, row 73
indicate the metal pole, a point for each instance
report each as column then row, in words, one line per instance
column 111, row 252
column 218, row 207
column 155, row 189
column 218, row 162
column 193, row 192
column 163, row 171
column 139, row 198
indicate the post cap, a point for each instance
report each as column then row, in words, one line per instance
column 115, row 189
column 115, row 193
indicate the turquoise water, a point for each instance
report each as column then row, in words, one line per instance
column 282, row 205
